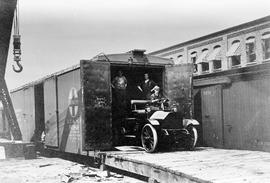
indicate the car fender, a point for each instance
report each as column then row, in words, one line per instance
column 187, row 122
column 153, row 122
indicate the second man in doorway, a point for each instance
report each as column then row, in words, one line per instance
column 147, row 87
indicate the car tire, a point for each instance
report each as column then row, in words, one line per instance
column 192, row 138
column 149, row 138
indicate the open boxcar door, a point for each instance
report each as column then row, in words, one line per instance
column 97, row 122
column 178, row 87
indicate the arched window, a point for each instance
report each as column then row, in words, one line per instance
column 234, row 53
column 179, row 60
column 217, row 46
column 193, row 58
column 203, row 61
column 266, row 45
column 215, row 56
column 203, row 56
column 250, row 49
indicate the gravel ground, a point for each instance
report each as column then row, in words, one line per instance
column 55, row 170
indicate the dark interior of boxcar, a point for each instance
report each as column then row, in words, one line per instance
column 39, row 115
column 135, row 75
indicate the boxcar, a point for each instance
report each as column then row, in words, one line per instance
column 75, row 105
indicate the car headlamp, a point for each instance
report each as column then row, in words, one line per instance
column 148, row 109
column 174, row 108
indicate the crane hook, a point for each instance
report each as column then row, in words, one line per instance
column 19, row 65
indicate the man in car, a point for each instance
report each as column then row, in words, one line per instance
column 147, row 87
column 156, row 94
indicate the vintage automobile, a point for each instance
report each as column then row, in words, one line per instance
column 156, row 125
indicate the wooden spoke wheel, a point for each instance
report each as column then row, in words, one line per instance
column 149, row 138
column 192, row 138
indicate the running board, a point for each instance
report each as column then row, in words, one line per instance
column 130, row 136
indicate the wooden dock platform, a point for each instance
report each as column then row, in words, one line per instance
column 201, row 165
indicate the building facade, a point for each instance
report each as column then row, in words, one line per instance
column 231, row 84
column 240, row 46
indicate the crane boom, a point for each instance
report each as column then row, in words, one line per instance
column 7, row 8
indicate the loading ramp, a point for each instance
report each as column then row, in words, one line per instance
column 204, row 164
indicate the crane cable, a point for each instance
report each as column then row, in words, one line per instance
column 17, row 40
column 16, row 20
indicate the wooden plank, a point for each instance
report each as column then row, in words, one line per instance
column 201, row 165
column 147, row 170
column 212, row 81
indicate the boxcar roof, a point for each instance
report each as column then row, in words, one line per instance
column 131, row 58
column 38, row 81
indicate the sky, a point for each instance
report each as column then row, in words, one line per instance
column 57, row 34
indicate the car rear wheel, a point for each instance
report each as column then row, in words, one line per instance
column 149, row 138
column 192, row 137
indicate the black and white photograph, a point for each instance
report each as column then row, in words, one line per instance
column 134, row 91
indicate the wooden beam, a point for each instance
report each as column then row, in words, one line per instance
column 211, row 81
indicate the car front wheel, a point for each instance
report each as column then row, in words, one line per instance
column 149, row 138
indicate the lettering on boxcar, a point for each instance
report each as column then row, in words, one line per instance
column 74, row 131
column 100, row 102
column 73, row 102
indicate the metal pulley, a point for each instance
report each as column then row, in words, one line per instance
column 17, row 43
column 17, row 52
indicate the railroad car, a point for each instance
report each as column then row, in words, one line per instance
column 75, row 108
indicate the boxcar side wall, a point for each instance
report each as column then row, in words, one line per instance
column 50, row 113
column 69, row 111
column 24, row 105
